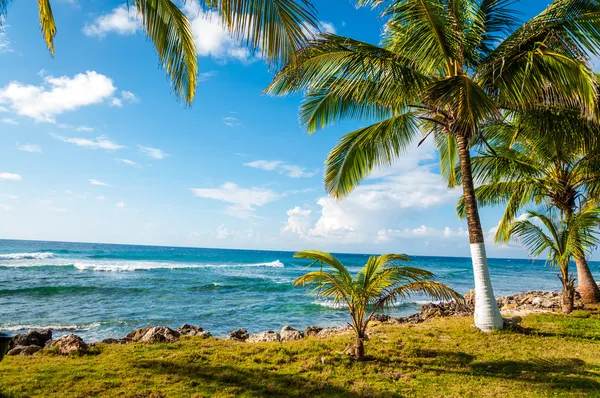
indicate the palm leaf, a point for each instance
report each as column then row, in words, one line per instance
column 360, row 151
column 170, row 31
column 46, row 22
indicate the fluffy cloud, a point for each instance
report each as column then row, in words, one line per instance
column 243, row 201
column 56, row 95
column 153, row 153
column 10, row 176
column 98, row 183
column 30, row 148
column 126, row 96
column 281, row 167
column 97, row 143
column 8, row 120
column 122, row 20
column 383, row 201
column 299, row 221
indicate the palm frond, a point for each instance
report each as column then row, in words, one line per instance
column 170, row 31
column 433, row 289
column 324, row 258
column 276, row 28
column 46, row 22
column 359, row 152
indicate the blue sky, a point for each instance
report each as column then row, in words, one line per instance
column 95, row 147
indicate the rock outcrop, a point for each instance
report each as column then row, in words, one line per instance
column 288, row 333
column 33, row 337
column 312, row 330
column 69, row 344
column 535, row 301
column 238, row 335
column 24, row 350
column 328, row 332
column 153, row 334
column 265, row 336
column 188, row 330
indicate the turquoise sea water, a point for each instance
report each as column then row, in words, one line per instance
column 100, row 291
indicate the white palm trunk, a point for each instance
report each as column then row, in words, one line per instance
column 487, row 314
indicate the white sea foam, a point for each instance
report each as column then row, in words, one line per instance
column 51, row 326
column 26, row 256
column 119, row 266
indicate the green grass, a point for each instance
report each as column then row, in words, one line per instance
column 556, row 356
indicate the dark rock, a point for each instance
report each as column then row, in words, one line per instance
column 288, row 333
column 312, row 330
column 381, row 317
column 24, row 350
column 153, row 334
column 114, row 341
column 238, row 335
column 188, row 330
column 31, row 338
column 267, row 335
column 68, row 344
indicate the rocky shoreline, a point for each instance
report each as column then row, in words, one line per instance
column 513, row 305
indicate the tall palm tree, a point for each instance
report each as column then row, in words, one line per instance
column 378, row 284
column 276, row 28
column 562, row 239
column 541, row 156
column 444, row 68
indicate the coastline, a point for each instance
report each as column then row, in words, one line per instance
column 512, row 307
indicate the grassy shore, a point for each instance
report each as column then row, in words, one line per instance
column 557, row 356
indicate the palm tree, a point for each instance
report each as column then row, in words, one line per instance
column 444, row 68
column 276, row 28
column 541, row 156
column 562, row 239
column 378, row 284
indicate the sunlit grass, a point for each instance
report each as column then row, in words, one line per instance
column 556, row 356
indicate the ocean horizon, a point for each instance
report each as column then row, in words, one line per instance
column 106, row 290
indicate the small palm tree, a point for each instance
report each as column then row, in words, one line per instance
column 561, row 239
column 275, row 27
column 378, row 284
column 443, row 69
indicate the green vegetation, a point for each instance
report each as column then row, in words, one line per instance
column 555, row 356
column 377, row 285
column 444, row 69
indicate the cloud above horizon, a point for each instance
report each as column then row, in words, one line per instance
column 243, row 201
column 153, row 153
column 97, row 143
column 56, row 95
column 281, row 167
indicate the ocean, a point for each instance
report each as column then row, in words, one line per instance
column 100, row 290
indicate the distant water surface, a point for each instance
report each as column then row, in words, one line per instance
column 100, row 291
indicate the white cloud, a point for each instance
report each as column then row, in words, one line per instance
column 385, row 235
column 8, row 120
column 4, row 42
column 281, row 167
column 327, row 27
column 10, row 176
column 121, row 205
column 299, row 221
column 231, row 121
column 129, row 163
column 56, row 95
column 85, row 129
column 30, row 148
column 129, row 96
column 3, row 109
column 153, row 153
column 211, row 37
column 244, row 201
column 122, row 20
column 383, row 201
column 98, row 183
column 116, row 102
column 97, row 143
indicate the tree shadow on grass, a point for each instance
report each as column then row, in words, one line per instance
column 256, row 382
column 568, row 374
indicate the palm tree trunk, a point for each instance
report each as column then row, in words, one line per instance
column 588, row 288
column 568, row 292
column 487, row 314
column 359, row 352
